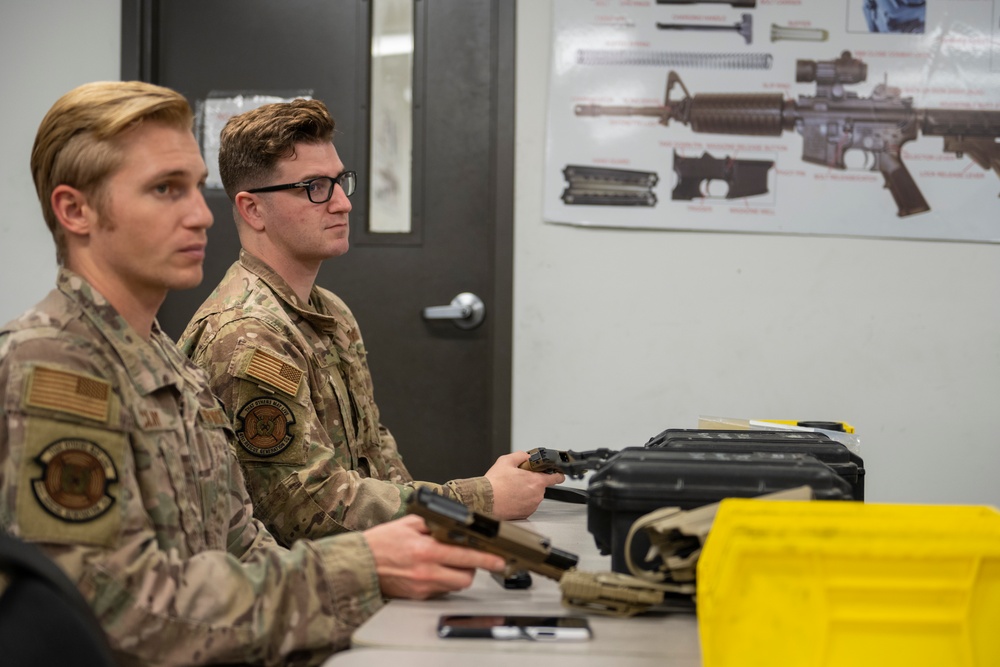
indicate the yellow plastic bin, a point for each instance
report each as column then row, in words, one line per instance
column 810, row 584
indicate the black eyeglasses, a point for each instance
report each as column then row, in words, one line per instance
column 319, row 189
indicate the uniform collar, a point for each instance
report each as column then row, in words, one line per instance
column 151, row 364
column 318, row 315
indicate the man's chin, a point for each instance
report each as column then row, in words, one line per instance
column 187, row 281
column 328, row 251
column 342, row 246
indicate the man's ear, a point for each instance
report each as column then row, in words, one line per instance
column 73, row 210
column 248, row 207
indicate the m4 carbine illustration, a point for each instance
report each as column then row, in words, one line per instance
column 833, row 122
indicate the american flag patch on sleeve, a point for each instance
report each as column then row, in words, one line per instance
column 68, row 392
column 268, row 368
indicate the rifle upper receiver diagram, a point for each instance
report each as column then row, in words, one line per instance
column 836, row 117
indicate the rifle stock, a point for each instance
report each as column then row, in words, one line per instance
column 984, row 151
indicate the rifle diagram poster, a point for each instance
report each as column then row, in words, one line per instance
column 840, row 117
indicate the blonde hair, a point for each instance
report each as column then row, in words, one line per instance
column 251, row 143
column 77, row 143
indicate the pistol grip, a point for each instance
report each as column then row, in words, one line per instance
column 909, row 199
column 687, row 188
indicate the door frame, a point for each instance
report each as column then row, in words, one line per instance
column 138, row 62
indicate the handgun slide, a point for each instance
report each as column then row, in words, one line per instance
column 452, row 522
column 604, row 593
column 569, row 462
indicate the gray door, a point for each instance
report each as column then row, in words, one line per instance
column 443, row 391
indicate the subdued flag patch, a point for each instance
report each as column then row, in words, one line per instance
column 68, row 392
column 272, row 370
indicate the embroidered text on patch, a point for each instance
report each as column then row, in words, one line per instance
column 74, row 481
column 272, row 370
column 69, row 392
column 266, row 427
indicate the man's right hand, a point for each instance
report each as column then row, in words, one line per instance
column 412, row 564
column 518, row 492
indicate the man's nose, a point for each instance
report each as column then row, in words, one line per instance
column 339, row 201
column 201, row 214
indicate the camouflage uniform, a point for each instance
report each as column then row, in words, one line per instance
column 114, row 457
column 295, row 382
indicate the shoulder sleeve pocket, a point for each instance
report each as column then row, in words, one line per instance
column 69, row 486
column 269, row 412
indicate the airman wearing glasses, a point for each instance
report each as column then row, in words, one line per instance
column 117, row 460
column 286, row 356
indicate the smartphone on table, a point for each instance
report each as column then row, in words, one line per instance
column 505, row 626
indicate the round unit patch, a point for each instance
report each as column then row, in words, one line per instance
column 265, row 430
column 75, row 478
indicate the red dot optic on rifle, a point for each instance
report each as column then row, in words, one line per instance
column 845, row 69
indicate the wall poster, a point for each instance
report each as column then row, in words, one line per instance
column 840, row 117
column 213, row 112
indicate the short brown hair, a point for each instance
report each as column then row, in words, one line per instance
column 77, row 141
column 252, row 143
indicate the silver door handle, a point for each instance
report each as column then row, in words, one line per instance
column 466, row 311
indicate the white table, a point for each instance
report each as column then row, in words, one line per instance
column 379, row 657
column 411, row 626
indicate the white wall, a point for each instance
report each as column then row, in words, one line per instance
column 46, row 48
column 620, row 334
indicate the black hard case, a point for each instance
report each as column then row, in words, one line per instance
column 835, row 454
column 637, row 481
